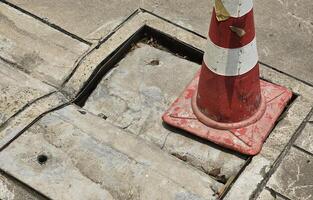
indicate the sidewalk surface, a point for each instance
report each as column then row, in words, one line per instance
column 114, row 144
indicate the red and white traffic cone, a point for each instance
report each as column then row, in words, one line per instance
column 227, row 103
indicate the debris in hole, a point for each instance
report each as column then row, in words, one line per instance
column 181, row 157
column 102, row 116
column 133, row 47
column 154, row 62
column 42, row 159
column 216, row 173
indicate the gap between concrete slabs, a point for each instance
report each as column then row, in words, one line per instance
column 260, row 165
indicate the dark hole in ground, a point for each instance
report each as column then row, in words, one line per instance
column 42, row 159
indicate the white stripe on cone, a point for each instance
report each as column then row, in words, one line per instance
column 230, row 62
column 237, row 8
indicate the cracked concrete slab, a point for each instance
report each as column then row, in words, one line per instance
column 305, row 140
column 292, row 176
column 35, row 48
column 10, row 189
column 85, row 153
column 80, row 17
column 136, row 93
column 15, row 125
column 18, row 90
column 279, row 138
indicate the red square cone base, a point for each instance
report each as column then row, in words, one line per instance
column 246, row 140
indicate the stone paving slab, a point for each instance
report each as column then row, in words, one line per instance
column 17, row 90
column 136, row 93
column 305, row 140
column 293, row 177
column 81, row 17
column 13, row 190
column 88, row 158
column 35, row 48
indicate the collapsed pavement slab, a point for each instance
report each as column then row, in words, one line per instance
column 136, row 93
column 37, row 49
column 73, row 150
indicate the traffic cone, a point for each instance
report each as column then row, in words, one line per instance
column 227, row 103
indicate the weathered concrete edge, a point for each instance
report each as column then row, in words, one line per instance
column 15, row 126
column 272, row 148
column 92, row 61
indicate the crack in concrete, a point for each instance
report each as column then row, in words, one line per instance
column 280, row 158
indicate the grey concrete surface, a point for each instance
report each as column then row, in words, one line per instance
column 88, row 158
column 305, row 140
column 35, row 48
column 17, row 90
column 135, row 94
column 13, row 127
column 293, row 178
column 284, row 28
column 10, row 189
column 284, row 31
column 81, row 17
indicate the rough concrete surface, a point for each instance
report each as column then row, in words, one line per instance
column 284, row 28
column 84, row 153
column 136, row 93
column 10, row 189
column 35, row 48
column 81, row 17
column 305, row 140
column 293, row 177
column 17, row 89
column 20, row 121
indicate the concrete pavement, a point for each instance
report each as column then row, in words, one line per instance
column 44, row 43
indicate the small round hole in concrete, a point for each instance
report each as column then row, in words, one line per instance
column 154, row 62
column 42, row 159
column 308, row 161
